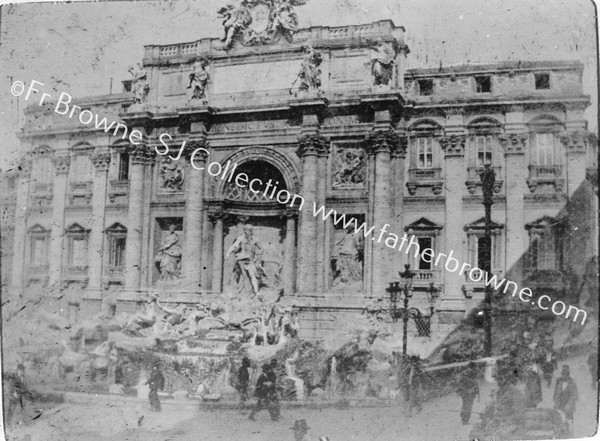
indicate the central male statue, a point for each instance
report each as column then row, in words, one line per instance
column 248, row 260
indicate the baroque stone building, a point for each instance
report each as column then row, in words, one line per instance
column 331, row 114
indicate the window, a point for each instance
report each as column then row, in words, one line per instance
column 117, row 251
column 544, row 146
column 42, row 169
column 542, row 81
column 424, row 242
column 483, row 148
column 38, row 243
column 81, row 169
column 123, row 171
column 545, row 244
column 483, row 84
column 479, row 249
column 425, row 87
column 424, row 152
column 76, row 246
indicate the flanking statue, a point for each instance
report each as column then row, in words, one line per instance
column 168, row 258
column 199, row 79
column 383, row 55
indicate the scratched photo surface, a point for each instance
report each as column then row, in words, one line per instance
column 299, row 220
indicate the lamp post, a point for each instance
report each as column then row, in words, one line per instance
column 488, row 179
column 407, row 275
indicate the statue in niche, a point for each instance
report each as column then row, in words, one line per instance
column 349, row 167
column 310, row 73
column 382, row 62
column 235, row 18
column 248, row 271
column 199, row 79
column 168, row 258
column 171, row 175
column 348, row 259
column 139, row 84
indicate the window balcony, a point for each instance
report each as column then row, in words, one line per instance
column 118, row 188
column 474, row 179
column 42, row 188
column 425, row 277
column 80, row 190
column 425, row 177
column 37, row 273
column 546, row 174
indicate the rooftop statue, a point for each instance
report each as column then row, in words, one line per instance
column 139, row 84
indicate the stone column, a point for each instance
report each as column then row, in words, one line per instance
column 398, row 159
column 514, row 145
column 321, row 284
column 380, row 144
column 454, row 149
column 289, row 253
column 140, row 156
column 217, row 257
column 20, row 232
column 192, row 223
column 101, row 161
column 311, row 146
column 55, row 256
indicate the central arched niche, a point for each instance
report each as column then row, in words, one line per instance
column 255, row 169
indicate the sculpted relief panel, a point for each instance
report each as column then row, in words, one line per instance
column 349, row 166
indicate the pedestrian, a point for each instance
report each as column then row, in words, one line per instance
column 243, row 379
column 300, row 429
column 156, row 382
column 533, row 386
column 415, row 380
column 592, row 363
column 548, row 362
column 468, row 389
column 565, row 395
column 265, row 393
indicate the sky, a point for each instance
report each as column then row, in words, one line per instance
column 78, row 47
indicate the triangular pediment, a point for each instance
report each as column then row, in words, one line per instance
column 423, row 224
column 37, row 228
column 479, row 224
column 76, row 228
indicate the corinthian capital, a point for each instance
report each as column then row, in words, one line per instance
column 194, row 146
column 453, row 145
column 140, row 154
column 101, row 161
column 382, row 141
column 575, row 141
column 315, row 144
column 513, row 143
column 61, row 164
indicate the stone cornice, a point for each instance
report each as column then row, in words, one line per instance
column 313, row 145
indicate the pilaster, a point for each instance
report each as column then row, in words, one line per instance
column 20, row 232
column 515, row 145
column 55, row 256
column 575, row 142
column 101, row 161
column 453, row 147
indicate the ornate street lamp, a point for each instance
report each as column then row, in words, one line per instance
column 432, row 295
column 488, row 179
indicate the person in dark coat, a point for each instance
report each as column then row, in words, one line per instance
column 565, row 395
column 533, row 387
column 156, row 382
column 548, row 361
column 592, row 363
column 243, row 379
column 415, row 383
column 266, row 394
column 467, row 390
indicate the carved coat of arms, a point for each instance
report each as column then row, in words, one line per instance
column 254, row 22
